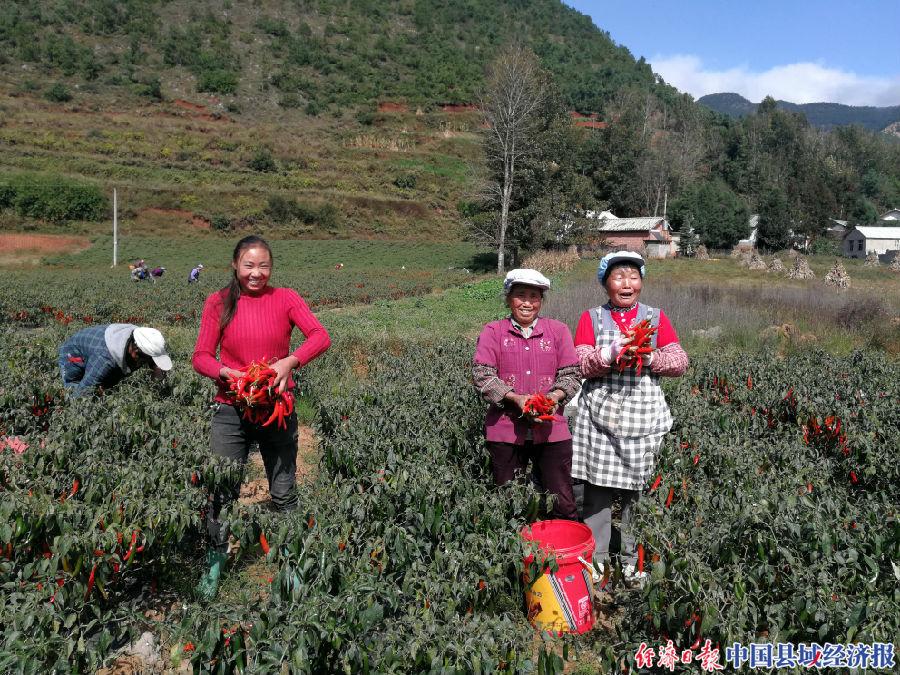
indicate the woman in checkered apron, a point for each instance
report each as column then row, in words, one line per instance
column 621, row 417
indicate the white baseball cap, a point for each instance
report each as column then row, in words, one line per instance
column 526, row 277
column 151, row 342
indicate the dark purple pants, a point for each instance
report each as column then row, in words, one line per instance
column 554, row 460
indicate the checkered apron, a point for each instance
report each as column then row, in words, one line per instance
column 621, row 417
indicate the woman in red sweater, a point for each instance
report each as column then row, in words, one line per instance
column 250, row 321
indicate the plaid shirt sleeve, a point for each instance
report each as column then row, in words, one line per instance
column 488, row 384
column 568, row 380
column 671, row 360
column 589, row 361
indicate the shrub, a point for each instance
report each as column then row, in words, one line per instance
column 290, row 101
column 406, row 181
column 58, row 93
column 52, row 198
column 312, row 109
column 263, row 161
column 217, row 81
column 152, row 88
column 220, row 223
column 824, row 246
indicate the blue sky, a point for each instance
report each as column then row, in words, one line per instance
column 798, row 50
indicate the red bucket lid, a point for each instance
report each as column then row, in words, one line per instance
column 566, row 538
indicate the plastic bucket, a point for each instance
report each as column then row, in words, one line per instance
column 561, row 601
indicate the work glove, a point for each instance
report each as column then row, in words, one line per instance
column 609, row 352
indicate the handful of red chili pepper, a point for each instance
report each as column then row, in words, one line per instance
column 638, row 346
column 539, row 407
column 255, row 394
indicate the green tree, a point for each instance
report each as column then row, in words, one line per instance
column 863, row 212
column 717, row 214
column 773, row 231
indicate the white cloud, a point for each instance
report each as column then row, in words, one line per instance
column 795, row 82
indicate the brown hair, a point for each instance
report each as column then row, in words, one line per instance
column 232, row 292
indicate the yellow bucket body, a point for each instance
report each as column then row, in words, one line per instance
column 561, row 602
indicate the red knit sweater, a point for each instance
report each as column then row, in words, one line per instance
column 261, row 328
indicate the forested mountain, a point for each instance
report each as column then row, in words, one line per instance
column 318, row 53
column 128, row 89
column 821, row 115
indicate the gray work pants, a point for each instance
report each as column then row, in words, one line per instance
column 598, row 501
column 231, row 437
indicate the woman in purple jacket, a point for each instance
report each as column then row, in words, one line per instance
column 516, row 357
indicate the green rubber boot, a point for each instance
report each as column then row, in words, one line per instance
column 209, row 582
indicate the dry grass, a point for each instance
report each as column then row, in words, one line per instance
column 373, row 142
column 551, row 262
column 739, row 313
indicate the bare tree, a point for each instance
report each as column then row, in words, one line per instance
column 513, row 97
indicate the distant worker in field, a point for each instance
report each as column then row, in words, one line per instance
column 194, row 275
column 101, row 356
column 139, row 270
column 517, row 358
column 156, row 273
column 251, row 321
column 622, row 414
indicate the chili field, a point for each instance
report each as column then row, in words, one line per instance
column 774, row 517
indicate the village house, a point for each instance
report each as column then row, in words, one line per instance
column 891, row 216
column 651, row 234
column 860, row 241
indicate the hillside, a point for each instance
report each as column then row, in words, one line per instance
column 314, row 54
column 822, row 115
column 326, row 119
column 220, row 114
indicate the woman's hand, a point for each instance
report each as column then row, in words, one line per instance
column 226, row 374
column 518, row 399
column 557, row 396
column 283, row 368
column 609, row 353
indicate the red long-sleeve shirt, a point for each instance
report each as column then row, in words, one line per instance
column 261, row 328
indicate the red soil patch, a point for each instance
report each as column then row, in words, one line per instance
column 202, row 223
column 179, row 213
column 392, row 106
column 459, row 107
column 43, row 243
column 187, row 105
column 590, row 124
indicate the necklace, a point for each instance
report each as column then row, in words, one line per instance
column 622, row 310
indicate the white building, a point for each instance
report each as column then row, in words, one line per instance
column 749, row 243
column 892, row 215
column 860, row 241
